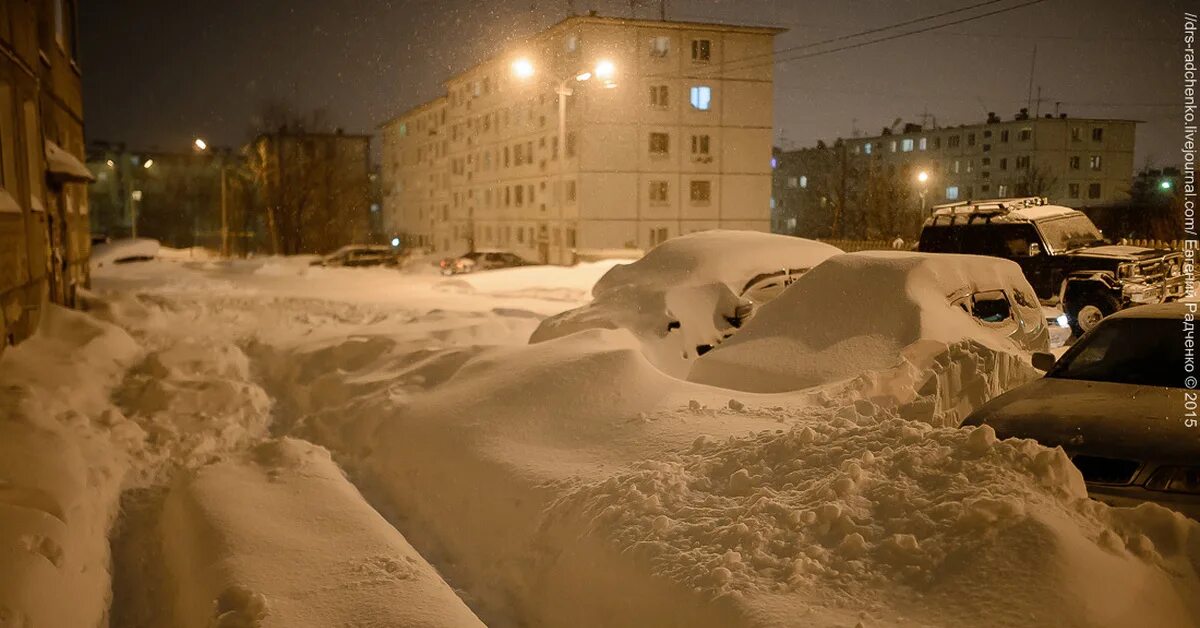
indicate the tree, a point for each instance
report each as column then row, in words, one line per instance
column 1035, row 181
column 293, row 174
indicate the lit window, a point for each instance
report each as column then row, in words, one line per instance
column 1094, row 162
column 803, row 181
column 893, row 146
column 774, row 163
column 952, row 193
column 922, row 144
column 701, row 97
column 660, row 46
column 906, row 145
column 867, row 148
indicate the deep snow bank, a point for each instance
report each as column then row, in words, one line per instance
column 684, row 294
column 916, row 524
column 892, row 321
column 60, row 473
column 278, row 537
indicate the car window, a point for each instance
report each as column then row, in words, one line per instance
column 991, row 306
column 1143, row 351
column 935, row 239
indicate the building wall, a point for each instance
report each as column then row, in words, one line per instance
column 973, row 162
column 44, row 243
column 987, row 162
column 481, row 167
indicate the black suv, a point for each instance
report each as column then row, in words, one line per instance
column 1064, row 257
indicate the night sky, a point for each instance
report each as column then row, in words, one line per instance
column 158, row 73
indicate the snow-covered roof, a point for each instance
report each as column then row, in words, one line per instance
column 64, row 166
column 1031, row 208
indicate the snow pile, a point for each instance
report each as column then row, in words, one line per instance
column 930, row 525
column 278, row 537
column 889, row 322
column 682, row 298
column 60, row 473
column 121, row 251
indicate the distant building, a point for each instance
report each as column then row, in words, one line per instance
column 314, row 189
column 677, row 140
column 176, row 197
column 1076, row 162
column 44, row 243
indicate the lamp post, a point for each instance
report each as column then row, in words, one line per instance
column 923, row 181
column 201, row 146
column 604, row 71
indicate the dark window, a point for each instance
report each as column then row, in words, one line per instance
column 1141, row 351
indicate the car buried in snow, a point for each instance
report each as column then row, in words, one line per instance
column 1117, row 403
column 481, row 259
column 356, row 255
column 1063, row 255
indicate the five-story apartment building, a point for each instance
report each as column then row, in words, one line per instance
column 667, row 131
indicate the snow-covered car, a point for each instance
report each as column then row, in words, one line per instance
column 124, row 251
column 900, row 317
column 361, row 255
column 1116, row 402
column 482, row 260
column 689, row 293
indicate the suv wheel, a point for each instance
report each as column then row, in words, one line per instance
column 1088, row 309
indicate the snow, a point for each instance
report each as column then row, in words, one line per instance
column 118, row 251
column 61, row 162
column 888, row 319
column 695, row 281
column 269, row 444
column 1042, row 212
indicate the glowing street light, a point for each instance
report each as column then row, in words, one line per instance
column 200, row 144
column 605, row 69
column 110, row 163
column 148, row 163
column 523, row 68
column 1165, row 184
column 923, row 179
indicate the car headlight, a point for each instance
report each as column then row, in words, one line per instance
column 1175, row 480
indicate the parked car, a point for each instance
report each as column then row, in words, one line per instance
column 1117, row 402
column 361, row 255
column 1061, row 252
column 482, row 260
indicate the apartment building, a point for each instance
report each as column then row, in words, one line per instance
column 667, row 130
column 44, row 243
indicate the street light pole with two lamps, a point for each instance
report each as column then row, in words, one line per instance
column 604, row 71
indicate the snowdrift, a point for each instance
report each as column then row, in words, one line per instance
column 278, row 537
column 683, row 296
column 893, row 323
column 60, row 475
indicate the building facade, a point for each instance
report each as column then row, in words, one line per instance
column 1076, row 162
column 44, row 243
column 314, row 189
column 677, row 139
column 182, row 199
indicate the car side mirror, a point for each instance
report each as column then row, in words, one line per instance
column 1044, row 361
column 1035, row 249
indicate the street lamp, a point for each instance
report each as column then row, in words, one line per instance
column 605, row 71
column 923, row 180
column 146, row 164
column 201, row 146
column 1165, row 184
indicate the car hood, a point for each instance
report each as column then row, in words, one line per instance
column 1097, row 418
column 1119, row 251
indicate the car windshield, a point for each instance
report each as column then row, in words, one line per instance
column 1142, row 351
column 1071, row 232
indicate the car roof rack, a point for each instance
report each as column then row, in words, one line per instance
column 970, row 211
